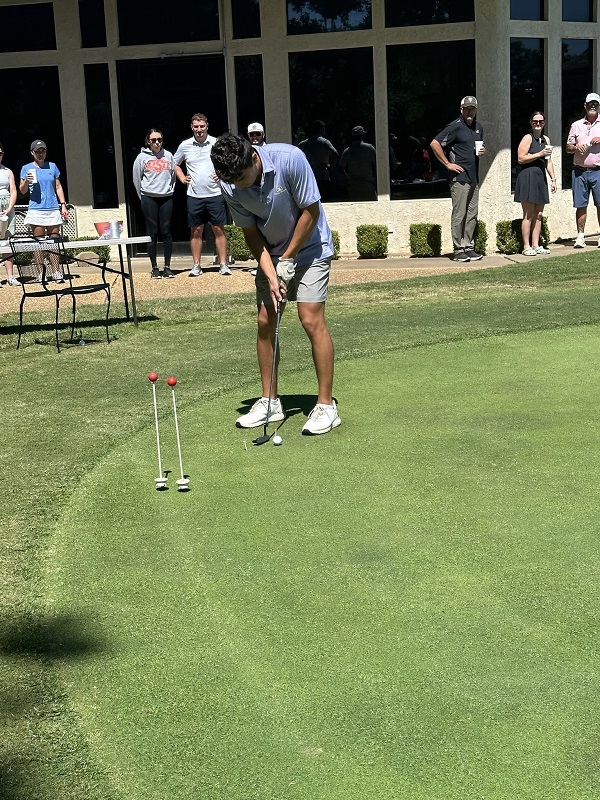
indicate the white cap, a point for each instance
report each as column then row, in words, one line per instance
column 255, row 127
column 591, row 97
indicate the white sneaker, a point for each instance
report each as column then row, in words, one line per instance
column 321, row 419
column 580, row 240
column 195, row 271
column 224, row 270
column 542, row 251
column 12, row 281
column 258, row 414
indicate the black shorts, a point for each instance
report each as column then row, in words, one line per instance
column 206, row 209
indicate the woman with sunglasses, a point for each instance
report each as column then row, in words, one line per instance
column 47, row 205
column 8, row 199
column 531, row 190
column 154, row 181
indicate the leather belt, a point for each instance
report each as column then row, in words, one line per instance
column 588, row 169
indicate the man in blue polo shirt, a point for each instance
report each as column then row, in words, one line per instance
column 455, row 148
column 272, row 194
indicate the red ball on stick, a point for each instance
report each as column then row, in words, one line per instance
column 172, row 380
column 153, row 376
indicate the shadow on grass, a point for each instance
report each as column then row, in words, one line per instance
column 293, row 404
column 8, row 330
column 59, row 637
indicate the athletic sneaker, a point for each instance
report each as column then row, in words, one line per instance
column 542, row 251
column 155, row 274
column 224, row 270
column 58, row 277
column 195, row 271
column 12, row 281
column 529, row 251
column 474, row 255
column 258, row 414
column 460, row 255
column 321, row 419
column 167, row 273
column 580, row 240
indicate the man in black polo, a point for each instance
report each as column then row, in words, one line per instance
column 455, row 147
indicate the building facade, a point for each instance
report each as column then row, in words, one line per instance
column 89, row 77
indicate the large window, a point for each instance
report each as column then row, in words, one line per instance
column 526, row 91
column 527, row 9
column 423, row 98
column 249, row 92
column 27, row 27
column 246, row 19
column 577, row 80
column 325, row 16
column 427, row 12
column 92, row 23
column 152, row 22
column 578, row 10
column 100, row 136
column 336, row 87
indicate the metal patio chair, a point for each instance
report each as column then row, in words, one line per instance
column 44, row 267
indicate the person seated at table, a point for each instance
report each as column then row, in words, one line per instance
column 8, row 199
column 47, row 205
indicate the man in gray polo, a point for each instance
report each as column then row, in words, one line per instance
column 454, row 147
column 273, row 196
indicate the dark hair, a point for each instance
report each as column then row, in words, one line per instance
column 202, row 117
column 231, row 155
column 534, row 114
column 148, row 132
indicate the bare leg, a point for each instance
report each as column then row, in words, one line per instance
column 312, row 317
column 537, row 226
column 526, row 224
column 580, row 219
column 220, row 243
column 196, row 242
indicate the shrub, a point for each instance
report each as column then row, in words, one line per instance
column 481, row 237
column 372, row 240
column 336, row 244
column 425, row 239
column 236, row 243
column 509, row 239
column 101, row 250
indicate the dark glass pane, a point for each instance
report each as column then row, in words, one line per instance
column 335, row 86
column 578, row 10
column 155, row 93
column 325, row 16
column 578, row 79
column 18, row 31
column 526, row 91
column 92, row 23
column 100, row 136
column 427, row 12
column 249, row 92
column 527, row 9
column 422, row 100
column 246, row 19
column 35, row 113
column 151, row 22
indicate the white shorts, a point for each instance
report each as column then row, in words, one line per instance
column 47, row 219
column 309, row 284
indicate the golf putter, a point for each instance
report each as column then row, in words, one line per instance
column 265, row 436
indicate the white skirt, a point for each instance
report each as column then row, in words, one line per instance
column 49, row 219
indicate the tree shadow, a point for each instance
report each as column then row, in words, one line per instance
column 58, row 637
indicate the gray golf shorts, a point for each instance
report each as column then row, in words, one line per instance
column 309, row 284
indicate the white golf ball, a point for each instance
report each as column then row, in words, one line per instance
column 277, row 440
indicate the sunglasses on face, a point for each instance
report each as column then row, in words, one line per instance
column 538, row 121
column 41, row 150
column 155, row 141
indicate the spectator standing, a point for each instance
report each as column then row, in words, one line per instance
column 204, row 200
column 455, row 148
column 322, row 157
column 8, row 199
column 256, row 134
column 154, row 181
column 359, row 162
column 47, row 205
column 274, row 198
column 531, row 190
column 583, row 142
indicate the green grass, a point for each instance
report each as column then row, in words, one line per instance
column 445, row 526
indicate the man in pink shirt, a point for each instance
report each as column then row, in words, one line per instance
column 584, row 142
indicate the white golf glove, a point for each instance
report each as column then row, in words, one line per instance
column 286, row 269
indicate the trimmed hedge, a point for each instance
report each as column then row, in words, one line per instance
column 372, row 240
column 509, row 239
column 236, row 243
column 425, row 239
column 481, row 237
column 336, row 244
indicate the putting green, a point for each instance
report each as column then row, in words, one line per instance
column 405, row 608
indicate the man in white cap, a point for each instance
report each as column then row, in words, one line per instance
column 584, row 142
column 256, row 134
column 456, row 150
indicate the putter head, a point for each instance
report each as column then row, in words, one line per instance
column 261, row 439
